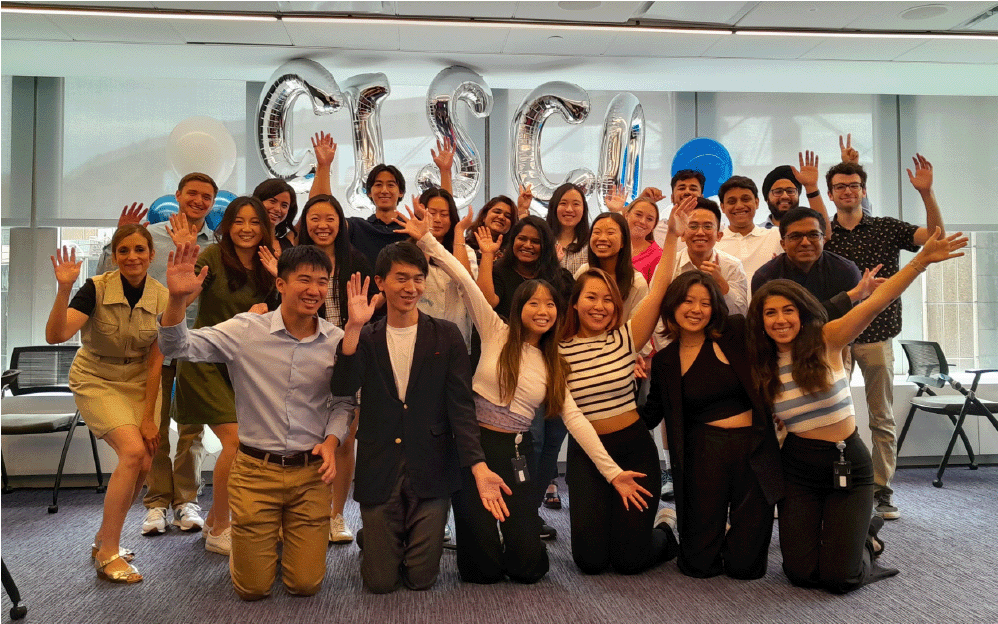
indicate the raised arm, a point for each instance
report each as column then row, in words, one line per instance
column 646, row 316
column 488, row 248
column 443, row 158
column 808, row 176
column 360, row 311
column 460, row 247
column 64, row 321
column 325, row 150
column 840, row 332
column 182, row 282
column 921, row 179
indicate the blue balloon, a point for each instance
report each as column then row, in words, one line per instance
column 162, row 208
column 222, row 201
column 708, row 157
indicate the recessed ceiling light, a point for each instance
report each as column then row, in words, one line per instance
column 925, row 11
column 578, row 6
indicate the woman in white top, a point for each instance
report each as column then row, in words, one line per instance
column 520, row 370
column 601, row 346
column 610, row 250
column 826, row 534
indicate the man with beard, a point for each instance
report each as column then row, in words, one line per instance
column 783, row 185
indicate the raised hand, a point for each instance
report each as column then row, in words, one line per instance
column 652, row 194
column 443, row 156
column 463, row 225
column 713, row 266
column 417, row 207
column 360, row 310
column 616, row 199
column 491, row 488
column 807, row 175
column 67, row 269
column 180, row 231
column 868, row 283
column 181, row 279
column 523, row 201
column 131, row 215
column 268, row 259
column 630, row 490
column 680, row 216
column 849, row 154
column 485, row 243
column 416, row 224
column 324, row 148
column 937, row 249
column 922, row 178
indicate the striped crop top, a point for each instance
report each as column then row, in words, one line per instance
column 602, row 372
column 804, row 412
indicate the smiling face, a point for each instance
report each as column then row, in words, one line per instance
column 246, row 231
column 739, row 207
column 133, row 255
column 499, row 218
column 323, row 224
column 527, row 246
column 439, row 212
column 606, row 239
column 304, row 292
column 539, row 315
column 641, row 219
column 195, row 200
column 701, row 232
column 595, row 308
column 686, row 188
column 277, row 207
column 385, row 192
column 782, row 197
column 693, row 313
column 803, row 242
column 781, row 320
column 847, row 192
column 570, row 209
column 403, row 287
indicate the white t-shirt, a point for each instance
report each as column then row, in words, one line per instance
column 401, row 344
column 754, row 249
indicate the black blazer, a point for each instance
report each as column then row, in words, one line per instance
column 665, row 400
column 433, row 433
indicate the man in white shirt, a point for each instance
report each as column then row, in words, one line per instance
column 753, row 245
column 685, row 183
column 702, row 235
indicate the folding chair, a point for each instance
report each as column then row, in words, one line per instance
column 43, row 403
column 927, row 369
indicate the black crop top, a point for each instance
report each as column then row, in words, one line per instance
column 711, row 390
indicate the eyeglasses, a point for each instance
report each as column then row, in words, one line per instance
column 783, row 191
column 706, row 227
column 855, row 186
column 795, row 237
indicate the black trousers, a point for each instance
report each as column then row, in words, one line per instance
column 720, row 485
column 823, row 531
column 604, row 534
column 481, row 556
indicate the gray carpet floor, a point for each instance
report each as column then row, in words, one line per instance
column 944, row 545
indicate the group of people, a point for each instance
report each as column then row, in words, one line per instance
column 455, row 353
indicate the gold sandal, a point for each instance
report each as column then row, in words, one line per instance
column 125, row 553
column 131, row 575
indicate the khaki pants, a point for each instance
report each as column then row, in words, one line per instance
column 174, row 481
column 876, row 362
column 263, row 498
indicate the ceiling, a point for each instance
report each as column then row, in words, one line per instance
column 525, row 43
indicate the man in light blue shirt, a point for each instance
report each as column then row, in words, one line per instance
column 280, row 364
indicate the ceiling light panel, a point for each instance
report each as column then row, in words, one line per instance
column 815, row 15
column 606, row 12
column 695, row 12
column 130, row 29
column 888, row 16
column 479, row 10
column 444, row 38
column 641, row 44
column 352, row 36
column 565, row 42
column 762, row 47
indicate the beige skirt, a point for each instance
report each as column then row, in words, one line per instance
column 110, row 395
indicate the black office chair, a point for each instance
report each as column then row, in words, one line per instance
column 927, row 368
column 42, row 402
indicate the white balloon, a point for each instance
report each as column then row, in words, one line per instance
column 204, row 145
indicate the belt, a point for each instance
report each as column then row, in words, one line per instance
column 111, row 359
column 297, row 459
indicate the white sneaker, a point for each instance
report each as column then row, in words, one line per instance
column 666, row 515
column 221, row 544
column 188, row 517
column 155, row 522
column 339, row 533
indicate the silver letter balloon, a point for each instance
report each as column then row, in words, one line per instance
column 452, row 85
column 622, row 147
column 365, row 94
column 275, row 119
column 572, row 103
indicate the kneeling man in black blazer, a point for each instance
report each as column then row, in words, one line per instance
column 417, row 424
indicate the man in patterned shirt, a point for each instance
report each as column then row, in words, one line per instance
column 869, row 241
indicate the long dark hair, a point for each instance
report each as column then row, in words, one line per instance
column 581, row 228
column 548, row 267
column 343, row 268
column 675, row 295
column 430, row 193
column 271, row 188
column 470, row 238
column 572, row 322
column 238, row 274
column 624, row 271
column 509, row 356
column 810, row 370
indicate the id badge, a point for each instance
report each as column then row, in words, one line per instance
column 520, row 469
column 842, row 475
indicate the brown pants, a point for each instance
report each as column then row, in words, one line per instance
column 177, row 480
column 263, row 498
